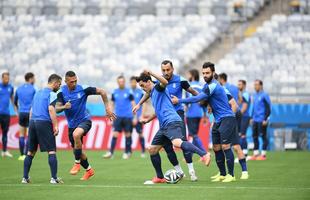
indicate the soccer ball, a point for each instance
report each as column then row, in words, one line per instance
column 172, row 177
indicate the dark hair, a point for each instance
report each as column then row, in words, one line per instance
column 195, row 74
column 143, row 77
column 121, row 77
column 70, row 74
column 133, row 78
column 215, row 76
column 54, row 78
column 165, row 62
column 208, row 65
column 223, row 76
column 28, row 76
column 243, row 81
column 259, row 81
column 5, row 73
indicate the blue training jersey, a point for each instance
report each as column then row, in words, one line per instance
column 138, row 94
column 78, row 98
column 194, row 110
column 163, row 106
column 234, row 91
column 122, row 102
column 246, row 98
column 6, row 92
column 41, row 101
column 261, row 106
column 24, row 96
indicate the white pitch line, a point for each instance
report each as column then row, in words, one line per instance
column 157, row 187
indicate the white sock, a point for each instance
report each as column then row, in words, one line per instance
column 264, row 153
column 245, row 151
column 178, row 168
column 77, row 161
column 256, row 152
column 190, row 167
column 88, row 168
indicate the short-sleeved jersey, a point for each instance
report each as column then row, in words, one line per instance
column 122, row 99
column 163, row 106
column 6, row 92
column 261, row 106
column 41, row 101
column 24, row 96
column 78, row 98
column 234, row 91
column 137, row 94
column 194, row 109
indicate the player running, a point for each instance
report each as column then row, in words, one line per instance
column 123, row 102
column 72, row 99
column 23, row 101
column 224, row 127
column 6, row 94
column 43, row 128
column 170, row 123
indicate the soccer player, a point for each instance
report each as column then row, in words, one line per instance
column 234, row 91
column 260, row 117
column 195, row 111
column 245, row 103
column 72, row 99
column 224, row 127
column 170, row 123
column 138, row 94
column 123, row 101
column 43, row 128
column 23, row 101
column 6, row 94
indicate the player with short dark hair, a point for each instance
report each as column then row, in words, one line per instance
column 43, row 128
column 72, row 99
column 260, row 117
column 23, row 101
column 170, row 123
column 224, row 127
column 6, row 94
column 123, row 102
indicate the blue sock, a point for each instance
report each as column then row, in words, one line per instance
column 128, row 144
column 188, row 156
column 21, row 145
column 243, row 143
column 4, row 141
column 198, row 143
column 156, row 161
column 52, row 161
column 85, row 163
column 26, row 146
column 27, row 165
column 229, row 155
column 77, row 154
column 142, row 143
column 189, row 147
column 220, row 161
column 243, row 165
column 171, row 154
column 113, row 144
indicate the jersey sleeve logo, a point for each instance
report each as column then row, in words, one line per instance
column 174, row 85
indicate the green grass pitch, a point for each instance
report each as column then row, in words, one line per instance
column 285, row 175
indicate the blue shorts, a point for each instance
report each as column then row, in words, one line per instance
column 224, row 131
column 123, row 124
column 139, row 128
column 85, row 125
column 193, row 125
column 41, row 133
column 245, row 121
column 165, row 135
column 181, row 114
column 23, row 119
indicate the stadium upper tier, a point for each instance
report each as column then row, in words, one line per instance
column 278, row 53
column 99, row 48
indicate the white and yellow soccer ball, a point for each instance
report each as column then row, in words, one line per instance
column 172, row 177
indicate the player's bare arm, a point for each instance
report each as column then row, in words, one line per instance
column 52, row 113
column 105, row 100
column 145, row 97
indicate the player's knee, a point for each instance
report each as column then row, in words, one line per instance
column 217, row 147
column 31, row 153
column 115, row 134
column 76, row 136
column 225, row 146
column 177, row 142
column 152, row 150
column 51, row 152
column 127, row 134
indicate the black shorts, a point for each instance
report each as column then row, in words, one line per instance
column 5, row 123
column 23, row 119
column 123, row 124
column 139, row 128
column 181, row 114
column 86, row 126
column 224, row 131
column 193, row 125
column 41, row 133
column 165, row 135
column 244, row 125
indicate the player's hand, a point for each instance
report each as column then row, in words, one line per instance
column 67, row 105
column 55, row 130
column 209, row 109
column 110, row 114
column 204, row 120
column 265, row 122
column 136, row 108
column 174, row 99
column 146, row 71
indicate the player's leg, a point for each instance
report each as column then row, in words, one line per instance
column 193, row 128
column 219, row 154
column 243, row 129
column 255, row 135
column 265, row 142
column 172, row 157
column 128, row 138
column 5, row 124
column 117, row 128
column 22, row 121
column 139, row 129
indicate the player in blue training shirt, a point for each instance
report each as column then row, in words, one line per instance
column 234, row 91
column 224, row 129
column 43, row 128
column 23, row 101
column 260, row 117
column 72, row 99
column 170, row 123
column 123, row 101
column 138, row 94
column 6, row 94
